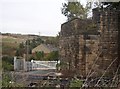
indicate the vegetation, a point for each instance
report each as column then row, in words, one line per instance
column 21, row 50
column 7, row 81
column 39, row 55
column 76, row 83
column 53, row 56
column 52, row 41
column 9, row 48
column 75, row 10
column 11, row 45
column 7, row 63
column 115, row 5
column 28, row 46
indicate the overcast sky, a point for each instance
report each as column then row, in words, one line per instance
column 31, row 16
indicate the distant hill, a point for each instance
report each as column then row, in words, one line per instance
column 25, row 37
column 10, row 42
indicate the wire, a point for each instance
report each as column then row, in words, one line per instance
column 91, row 69
column 105, row 72
column 115, row 74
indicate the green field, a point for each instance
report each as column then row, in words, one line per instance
column 10, row 42
column 9, row 45
column 12, row 39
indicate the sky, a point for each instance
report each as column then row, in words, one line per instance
column 32, row 16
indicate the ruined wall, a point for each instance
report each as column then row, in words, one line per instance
column 107, row 23
column 69, row 47
column 88, row 52
column 119, row 40
column 77, row 46
column 92, row 56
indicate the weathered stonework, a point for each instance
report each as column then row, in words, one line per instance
column 107, row 22
column 87, row 52
column 78, row 45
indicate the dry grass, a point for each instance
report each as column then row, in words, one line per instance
column 12, row 39
column 9, row 45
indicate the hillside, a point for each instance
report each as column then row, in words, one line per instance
column 10, row 42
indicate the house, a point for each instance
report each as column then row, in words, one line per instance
column 44, row 48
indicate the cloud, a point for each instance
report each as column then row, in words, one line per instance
column 31, row 16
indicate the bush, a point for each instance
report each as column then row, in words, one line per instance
column 53, row 56
column 76, row 83
column 7, row 63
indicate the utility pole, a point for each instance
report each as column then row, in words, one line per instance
column 27, row 49
column 39, row 33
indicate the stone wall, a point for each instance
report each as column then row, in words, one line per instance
column 90, row 52
column 107, row 23
column 78, row 45
column 90, row 49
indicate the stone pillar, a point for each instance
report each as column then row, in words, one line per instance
column 24, row 63
column 15, row 63
column 108, row 43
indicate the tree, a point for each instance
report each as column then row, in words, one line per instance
column 75, row 10
column 53, row 56
column 17, row 53
column 21, row 45
column 21, row 50
column 76, row 83
column 113, row 5
column 39, row 55
column 33, row 43
column 7, row 63
column 39, row 41
column 5, row 80
column 106, row 4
